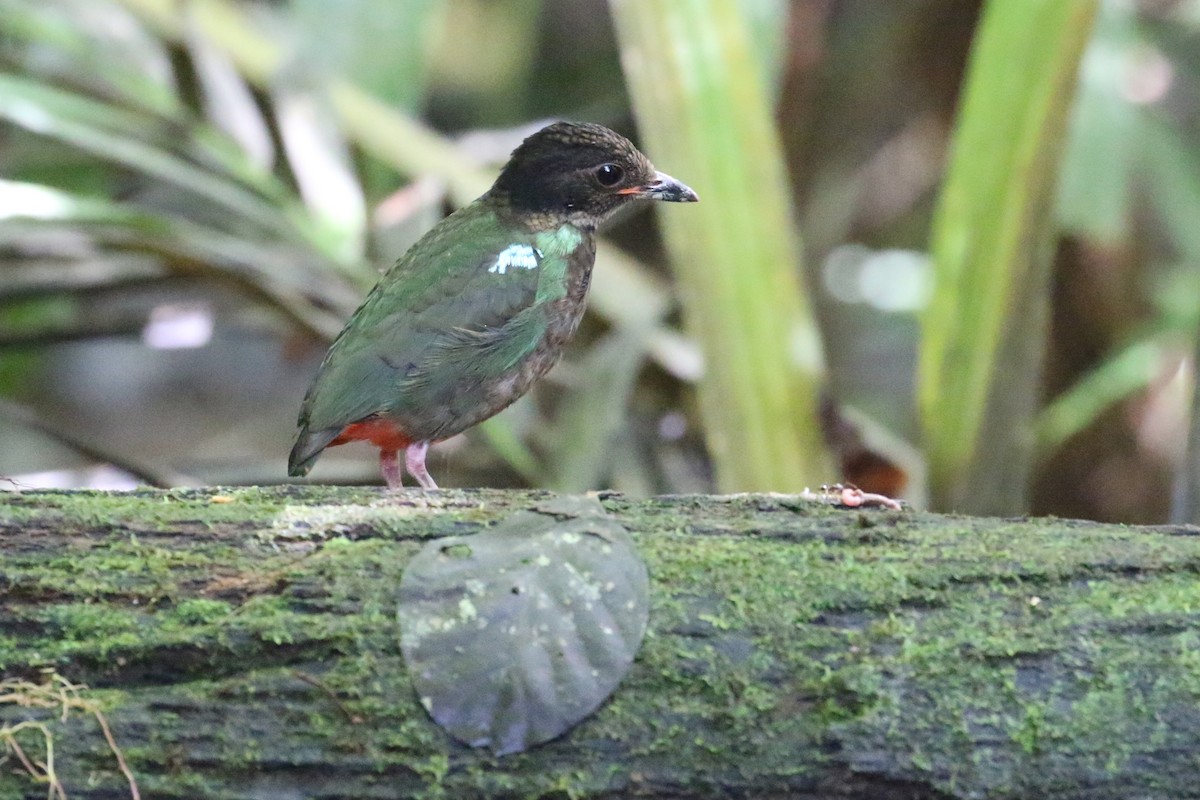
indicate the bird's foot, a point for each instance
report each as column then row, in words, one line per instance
column 389, row 465
column 414, row 460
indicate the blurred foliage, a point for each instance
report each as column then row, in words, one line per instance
column 703, row 103
column 982, row 337
column 196, row 194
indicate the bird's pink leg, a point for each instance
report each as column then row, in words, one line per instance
column 389, row 465
column 414, row 459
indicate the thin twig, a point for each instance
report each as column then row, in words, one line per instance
column 116, row 751
column 354, row 719
column 60, row 692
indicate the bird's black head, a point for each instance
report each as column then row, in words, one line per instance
column 580, row 172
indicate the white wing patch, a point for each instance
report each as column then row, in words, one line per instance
column 517, row 256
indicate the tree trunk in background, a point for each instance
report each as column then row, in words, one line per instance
column 243, row 644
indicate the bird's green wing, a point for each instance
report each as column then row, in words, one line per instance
column 467, row 295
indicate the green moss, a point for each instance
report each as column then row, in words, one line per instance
column 81, row 622
column 954, row 651
column 195, row 611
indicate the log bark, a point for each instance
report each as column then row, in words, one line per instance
column 243, row 643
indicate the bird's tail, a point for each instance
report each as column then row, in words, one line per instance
column 307, row 448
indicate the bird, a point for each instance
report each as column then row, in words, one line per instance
column 480, row 307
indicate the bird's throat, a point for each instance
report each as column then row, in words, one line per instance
column 557, row 245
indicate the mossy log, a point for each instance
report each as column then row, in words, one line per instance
column 243, row 643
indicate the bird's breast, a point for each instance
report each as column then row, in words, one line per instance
column 564, row 313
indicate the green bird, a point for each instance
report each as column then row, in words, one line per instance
column 481, row 307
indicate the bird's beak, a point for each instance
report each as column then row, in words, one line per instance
column 663, row 187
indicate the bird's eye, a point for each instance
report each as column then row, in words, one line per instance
column 609, row 174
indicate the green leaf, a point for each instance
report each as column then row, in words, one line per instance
column 1094, row 188
column 322, row 164
column 378, row 45
column 272, row 274
column 22, row 200
column 96, row 45
column 119, row 135
column 1120, row 376
column 704, row 110
column 984, row 329
column 230, row 104
column 1172, row 166
column 514, row 635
